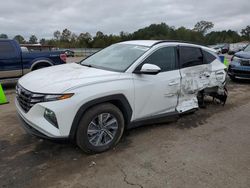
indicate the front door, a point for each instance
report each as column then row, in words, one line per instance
column 157, row 94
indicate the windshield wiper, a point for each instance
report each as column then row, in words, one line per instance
column 87, row 65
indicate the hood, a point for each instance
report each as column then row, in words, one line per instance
column 243, row 54
column 58, row 79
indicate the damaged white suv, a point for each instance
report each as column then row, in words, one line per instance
column 122, row 86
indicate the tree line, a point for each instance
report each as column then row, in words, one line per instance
column 199, row 34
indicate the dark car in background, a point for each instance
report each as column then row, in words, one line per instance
column 239, row 67
column 69, row 53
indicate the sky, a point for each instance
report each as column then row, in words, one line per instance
column 43, row 17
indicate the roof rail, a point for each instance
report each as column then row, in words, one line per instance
column 180, row 41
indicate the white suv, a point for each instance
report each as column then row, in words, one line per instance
column 122, row 86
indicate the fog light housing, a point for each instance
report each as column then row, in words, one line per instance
column 50, row 116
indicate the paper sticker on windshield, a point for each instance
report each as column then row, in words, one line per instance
column 141, row 48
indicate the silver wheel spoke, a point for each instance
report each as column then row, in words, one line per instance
column 110, row 122
column 107, row 116
column 92, row 131
column 93, row 124
column 109, row 134
column 93, row 138
column 102, row 129
column 100, row 119
column 100, row 136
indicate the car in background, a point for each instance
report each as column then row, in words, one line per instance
column 217, row 48
column 15, row 61
column 221, row 48
column 236, row 47
column 125, row 85
column 69, row 53
column 239, row 68
column 225, row 48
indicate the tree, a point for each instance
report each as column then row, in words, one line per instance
column 66, row 35
column 203, row 26
column 3, row 36
column 246, row 32
column 99, row 34
column 19, row 39
column 84, row 39
column 57, row 35
column 42, row 41
column 33, row 39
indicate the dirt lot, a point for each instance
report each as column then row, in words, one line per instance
column 210, row 148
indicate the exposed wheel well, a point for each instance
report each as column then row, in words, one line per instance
column 119, row 101
column 40, row 65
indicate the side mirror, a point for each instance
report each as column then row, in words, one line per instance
column 150, row 69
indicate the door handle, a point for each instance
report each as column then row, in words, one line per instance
column 173, row 83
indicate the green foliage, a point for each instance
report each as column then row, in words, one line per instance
column 246, row 33
column 33, row 39
column 19, row 39
column 203, row 26
column 162, row 31
column 3, row 36
column 222, row 37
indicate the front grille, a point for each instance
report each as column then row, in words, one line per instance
column 27, row 99
column 245, row 62
column 241, row 71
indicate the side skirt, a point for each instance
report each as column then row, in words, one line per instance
column 162, row 118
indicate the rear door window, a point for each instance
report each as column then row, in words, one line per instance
column 190, row 56
column 208, row 57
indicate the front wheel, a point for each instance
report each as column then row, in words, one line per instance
column 100, row 128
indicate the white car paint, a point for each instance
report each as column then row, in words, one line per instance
column 148, row 95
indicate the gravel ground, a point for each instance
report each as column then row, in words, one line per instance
column 209, row 148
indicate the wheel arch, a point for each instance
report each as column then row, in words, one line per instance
column 40, row 62
column 119, row 100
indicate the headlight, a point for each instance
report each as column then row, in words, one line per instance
column 50, row 116
column 237, row 59
column 55, row 97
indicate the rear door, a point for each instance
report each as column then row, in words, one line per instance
column 10, row 60
column 195, row 76
column 157, row 94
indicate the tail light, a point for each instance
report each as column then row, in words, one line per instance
column 63, row 57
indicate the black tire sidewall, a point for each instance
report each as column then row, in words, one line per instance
column 82, row 137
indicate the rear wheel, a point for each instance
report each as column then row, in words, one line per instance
column 100, row 128
column 40, row 66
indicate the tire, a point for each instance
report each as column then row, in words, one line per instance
column 95, row 137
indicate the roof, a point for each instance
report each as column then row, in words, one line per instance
column 150, row 43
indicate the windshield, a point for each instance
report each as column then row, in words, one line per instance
column 247, row 49
column 117, row 57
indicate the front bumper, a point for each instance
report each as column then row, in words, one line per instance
column 29, row 129
column 35, row 123
column 239, row 72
